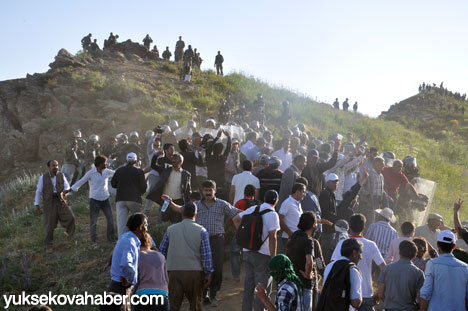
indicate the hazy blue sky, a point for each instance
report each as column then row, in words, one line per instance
column 374, row 52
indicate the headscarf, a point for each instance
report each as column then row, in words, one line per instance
column 281, row 268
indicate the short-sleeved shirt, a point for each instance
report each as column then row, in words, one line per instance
column 446, row 284
column 241, row 180
column 402, row 281
column 393, row 253
column 291, row 210
column 356, row 280
column 382, row 233
column 242, row 203
column 212, row 217
column 370, row 252
column 393, row 180
column 270, row 223
column 298, row 248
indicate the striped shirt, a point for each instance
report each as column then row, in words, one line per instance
column 382, row 233
column 374, row 185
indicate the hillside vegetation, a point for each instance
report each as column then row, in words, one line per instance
column 116, row 94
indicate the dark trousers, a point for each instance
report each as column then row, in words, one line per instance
column 54, row 213
column 217, row 253
column 188, row 283
column 94, row 207
column 163, row 307
column 116, row 288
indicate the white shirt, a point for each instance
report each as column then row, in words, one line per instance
column 292, row 211
column 241, row 180
column 370, row 252
column 172, row 187
column 393, row 253
column 245, row 148
column 201, row 170
column 40, row 186
column 98, row 183
column 355, row 280
column 426, row 233
column 270, row 223
column 286, row 158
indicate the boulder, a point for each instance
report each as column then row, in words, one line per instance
column 66, row 59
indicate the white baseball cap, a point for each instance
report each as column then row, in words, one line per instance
column 446, row 236
column 331, row 177
column 131, row 157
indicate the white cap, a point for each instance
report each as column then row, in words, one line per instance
column 386, row 213
column 131, row 157
column 331, row 177
column 446, row 236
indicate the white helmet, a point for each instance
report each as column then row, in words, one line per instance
column 149, row 134
column 77, row 134
column 174, row 125
column 94, row 138
column 191, row 124
column 134, row 134
column 210, row 122
column 166, row 129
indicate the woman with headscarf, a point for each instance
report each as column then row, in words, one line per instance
column 289, row 293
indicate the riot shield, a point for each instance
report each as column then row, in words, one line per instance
column 416, row 210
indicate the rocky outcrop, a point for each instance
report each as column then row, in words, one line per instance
column 66, row 59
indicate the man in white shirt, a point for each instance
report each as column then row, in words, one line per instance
column 98, row 179
column 430, row 231
column 257, row 262
column 351, row 252
column 370, row 252
column 284, row 155
column 290, row 212
column 51, row 187
column 241, row 180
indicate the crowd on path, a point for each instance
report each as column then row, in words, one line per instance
column 318, row 217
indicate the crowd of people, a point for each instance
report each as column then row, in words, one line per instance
column 323, row 218
column 190, row 57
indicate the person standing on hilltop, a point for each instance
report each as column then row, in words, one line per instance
column 85, row 42
column 147, row 41
column 52, row 186
column 355, row 107
column 345, row 105
column 166, row 54
column 179, row 49
column 219, row 60
column 336, row 104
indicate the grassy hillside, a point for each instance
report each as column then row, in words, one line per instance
column 154, row 90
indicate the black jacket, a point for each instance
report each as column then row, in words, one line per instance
column 164, row 171
column 216, row 163
column 130, row 183
column 190, row 161
column 313, row 174
column 344, row 210
column 327, row 202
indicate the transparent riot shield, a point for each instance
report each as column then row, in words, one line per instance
column 413, row 209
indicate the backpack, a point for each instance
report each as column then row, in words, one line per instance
column 249, row 233
column 335, row 294
column 249, row 202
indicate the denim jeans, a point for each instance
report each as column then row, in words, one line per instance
column 367, row 304
column 236, row 252
column 94, row 207
column 307, row 299
column 256, row 271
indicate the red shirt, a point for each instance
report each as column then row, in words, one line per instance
column 393, row 180
column 242, row 204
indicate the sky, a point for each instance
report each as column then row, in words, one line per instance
column 373, row 52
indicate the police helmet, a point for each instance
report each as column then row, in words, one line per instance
column 174, row 125
column 93, row 138
column 410, row 161
column 388, row 155
column 191, row 124
column 149, row 134
column 134, row 134
column 285, row 103
column 77, row 134
column 210, row 122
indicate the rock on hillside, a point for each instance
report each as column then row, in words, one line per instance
column 124, row 89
